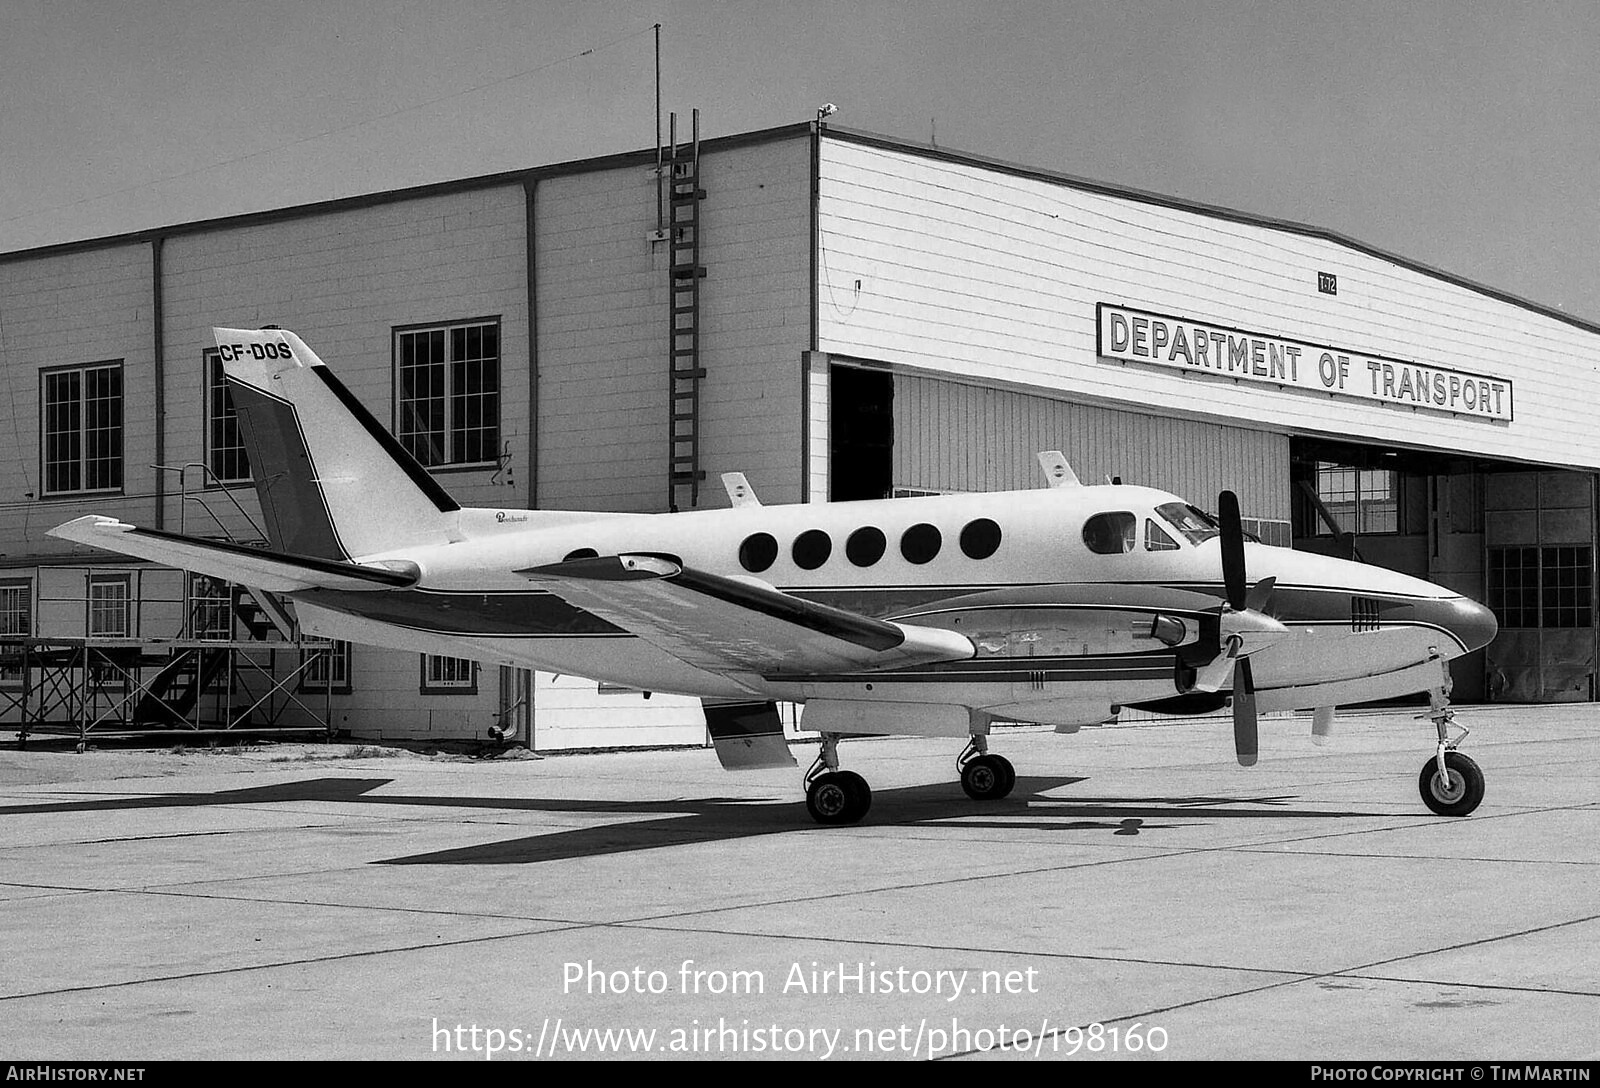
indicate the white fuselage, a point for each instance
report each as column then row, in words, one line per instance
column 1062, row 632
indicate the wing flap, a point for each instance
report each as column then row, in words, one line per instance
column 728, row 624
column 274, row 572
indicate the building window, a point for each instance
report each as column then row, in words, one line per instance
column 447, row 392
column 449, row 675
column 326, row 668
column 108, row 606
column 225, row 452
column 210, row 608
column 1542, row 587
column 1360, row 500
column 82, row 431
column 16, row 622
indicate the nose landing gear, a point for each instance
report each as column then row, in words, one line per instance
column 1451, row 783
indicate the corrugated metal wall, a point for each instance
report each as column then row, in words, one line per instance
column 958, row 268
column 949, row 436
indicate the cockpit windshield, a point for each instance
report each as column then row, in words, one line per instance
column 1191, row 521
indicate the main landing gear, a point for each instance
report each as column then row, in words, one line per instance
column 1459, row 789
column 834, row 796
column 843, row 797
column 985, row 777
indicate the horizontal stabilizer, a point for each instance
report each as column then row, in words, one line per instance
column 274, row 572
column 738, row 625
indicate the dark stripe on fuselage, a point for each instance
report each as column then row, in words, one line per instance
column 1145, row 665
column 296, row 513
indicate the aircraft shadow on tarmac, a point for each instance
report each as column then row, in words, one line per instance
column 681, row 822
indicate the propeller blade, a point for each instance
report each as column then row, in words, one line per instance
column 1244, row 714
column 1321, row 724
column 1214, row 675
column 1260, row 595
column 1232, row 548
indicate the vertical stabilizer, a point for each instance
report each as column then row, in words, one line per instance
column 333, row 482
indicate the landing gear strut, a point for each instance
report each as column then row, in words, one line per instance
column 1457, row 789
column 985, row 777
column 834, row 796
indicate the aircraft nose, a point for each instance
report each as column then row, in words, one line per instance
column 1468, row 621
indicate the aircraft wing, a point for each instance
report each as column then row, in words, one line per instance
column 732, row 626
column 274, row 572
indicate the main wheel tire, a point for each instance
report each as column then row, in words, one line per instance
column 838, row 797
column 985, row 779
column 860, row 794
column 1459, row 793
column 1010, row 773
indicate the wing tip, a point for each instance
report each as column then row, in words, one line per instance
column 83, row 530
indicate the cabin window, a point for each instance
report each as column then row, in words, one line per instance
column 980, row 539
column 1156, row 539
column 921, row 543
column 758, row 552
column 580, row 553
column 1111, row 533
column 1191, row 521
column 811, row 549
column 866, row 546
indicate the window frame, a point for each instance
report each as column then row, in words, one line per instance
column 1358, row 501
column 125, row 581
column 448, row 396
column 12, row 679
column 1533, row 596
column 215, row 383
column 82, row 431
column 429, row 685
column 341, row 660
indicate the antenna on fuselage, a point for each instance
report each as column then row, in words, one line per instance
column 1057, row 472
column 740, row 493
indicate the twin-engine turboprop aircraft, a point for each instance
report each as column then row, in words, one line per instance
column 934, row 616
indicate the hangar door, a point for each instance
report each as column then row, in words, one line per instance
column 1539, row 530
column 950, row 436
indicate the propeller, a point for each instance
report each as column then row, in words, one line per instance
column 1243, row 615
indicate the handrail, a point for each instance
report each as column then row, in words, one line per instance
column 207, row 475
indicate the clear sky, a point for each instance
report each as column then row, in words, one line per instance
column 1459, row 133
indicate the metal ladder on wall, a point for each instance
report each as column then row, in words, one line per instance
column 684, row 272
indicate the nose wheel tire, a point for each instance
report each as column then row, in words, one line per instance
column 1458, row 792
column 838, row 797
column 988, row 777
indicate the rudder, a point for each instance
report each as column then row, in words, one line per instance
column 332, row 481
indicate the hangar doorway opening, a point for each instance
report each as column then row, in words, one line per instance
column 1519, row 538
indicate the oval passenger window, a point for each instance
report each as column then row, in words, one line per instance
column 758, row 552
column 865, row 546
column 980, row 539
column 811, row 549
column 920, row 543
column 1112, row 533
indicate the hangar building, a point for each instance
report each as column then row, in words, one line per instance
column 838, row 315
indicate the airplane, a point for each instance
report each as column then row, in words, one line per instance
column 934, row 616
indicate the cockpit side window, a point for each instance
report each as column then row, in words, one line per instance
column 1111, row 533
column 1192, row 522
column 1156, row 538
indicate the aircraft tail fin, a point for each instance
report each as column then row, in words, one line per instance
column 333, row 482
